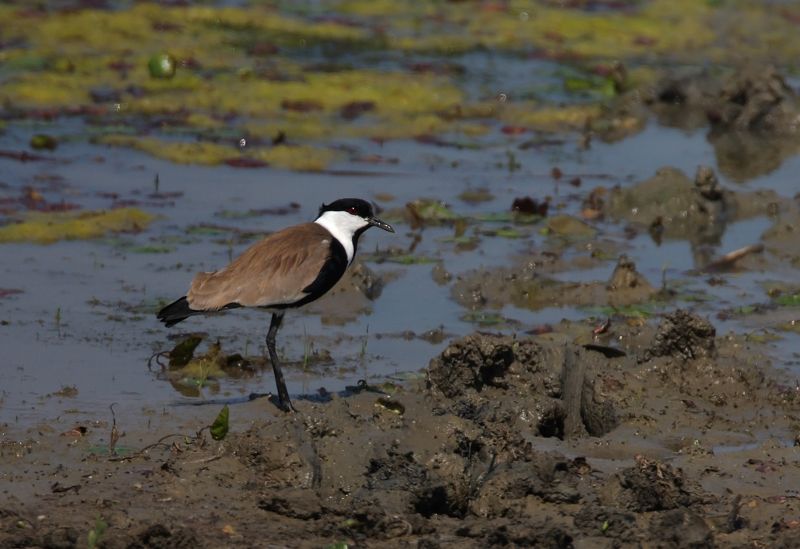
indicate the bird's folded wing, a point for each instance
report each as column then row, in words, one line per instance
column 271, row 272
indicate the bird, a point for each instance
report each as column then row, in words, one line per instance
column 285, row 270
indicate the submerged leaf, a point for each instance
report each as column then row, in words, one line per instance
column 42, row 141
column 409, row 259
column 220, row 426
column 788, row 300
column 429, row 211
column 182, row 353
column 483, row 318
column 391, row 405
column 569, row 227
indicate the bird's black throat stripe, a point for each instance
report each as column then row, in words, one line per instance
column 332, row 270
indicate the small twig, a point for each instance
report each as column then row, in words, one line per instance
column 734, row 521
column 112, row 441
column 157, row 355
column 159, row 442
column 727, row 260
column 205, row 460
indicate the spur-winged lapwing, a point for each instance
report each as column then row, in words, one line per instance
column 286, row 269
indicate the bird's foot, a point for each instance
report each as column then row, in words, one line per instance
column 284, row 404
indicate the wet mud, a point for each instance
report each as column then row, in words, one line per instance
column 685, row 441
column 530, row 285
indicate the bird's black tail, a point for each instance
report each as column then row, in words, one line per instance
column 175, row 312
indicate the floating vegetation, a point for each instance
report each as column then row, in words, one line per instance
column 509, row 217
column 787, row 300
column 301, row 158
column 635, row 310
column 659, row 27
column 570, row 227
column 410, row 259
column 391, row 405
column 230, row 72
column 504, row 232
column 484, row 318
column 45, row 228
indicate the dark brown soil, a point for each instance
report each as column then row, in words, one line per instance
column 686, row 441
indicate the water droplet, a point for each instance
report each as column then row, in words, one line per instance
column 242, row 143
column 501, row 97
column 523, row 16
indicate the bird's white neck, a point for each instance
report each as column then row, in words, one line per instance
column 342, row 226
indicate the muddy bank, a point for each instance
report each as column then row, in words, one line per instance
column 753, row 115
column 685, row 440
column 529, row 285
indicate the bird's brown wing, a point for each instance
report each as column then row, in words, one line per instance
column 273, row 271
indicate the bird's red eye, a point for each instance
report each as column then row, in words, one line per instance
column 352, row 210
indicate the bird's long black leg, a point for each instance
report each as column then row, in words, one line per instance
column 283, row 395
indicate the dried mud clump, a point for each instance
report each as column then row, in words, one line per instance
column 626, row 277
column 651, row 485
column 469, row 364
column 683, row 335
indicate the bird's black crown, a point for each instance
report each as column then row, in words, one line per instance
column 355, row 206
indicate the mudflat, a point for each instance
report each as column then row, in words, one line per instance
column 658, row 436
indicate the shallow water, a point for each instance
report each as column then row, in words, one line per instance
column 85, row 316
column 101, row 348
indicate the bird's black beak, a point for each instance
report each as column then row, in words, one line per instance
column 375, row 222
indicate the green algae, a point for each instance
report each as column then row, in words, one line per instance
column 787, row 300
column 550, row 118
column 657, row 27
column 234, row 72
column 570, row 227
column 301, row 158
column 215, row 80
column 209, row 154
column 45, row 228
column 484, row 318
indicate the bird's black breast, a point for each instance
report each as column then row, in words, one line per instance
column 332, row 270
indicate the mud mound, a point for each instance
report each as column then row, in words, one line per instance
column 670, row 205
column 651, row 485
column 753, row 114
column 470, row 364
column 757, row 98
column 354, row 469
column 626, row 277
column 503, row 383
column 753, row 98
column 526, row 286
column 684, row 336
